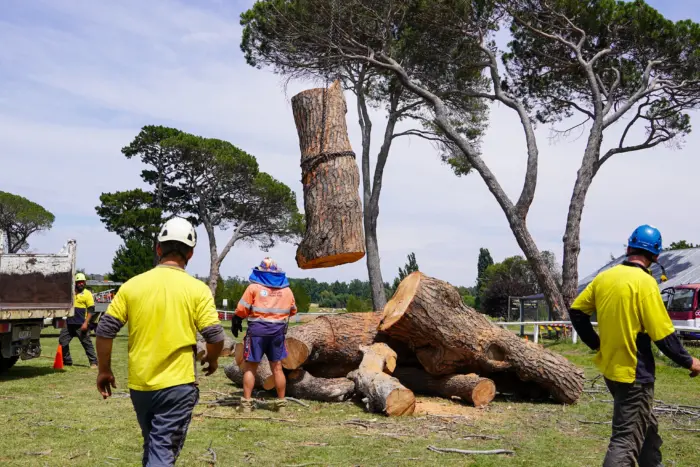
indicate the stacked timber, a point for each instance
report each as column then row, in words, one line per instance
column 426, row 341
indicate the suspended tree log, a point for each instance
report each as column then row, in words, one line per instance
column 332, row 342
column 331, row 181
column 470, row 388
column 263, row 377
column 382, row 393
column 303, row 385
column 201, row 350
column 448, row 337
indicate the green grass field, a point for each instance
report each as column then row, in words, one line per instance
column 57, row 418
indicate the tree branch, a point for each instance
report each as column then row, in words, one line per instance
column 641, row 92
column 232, row 241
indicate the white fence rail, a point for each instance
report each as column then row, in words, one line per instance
column 574, row 335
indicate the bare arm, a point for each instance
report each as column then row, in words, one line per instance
column 106, row 332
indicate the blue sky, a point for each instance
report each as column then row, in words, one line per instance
column 78, row 79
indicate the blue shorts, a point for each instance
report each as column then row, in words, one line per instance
column 254, row 347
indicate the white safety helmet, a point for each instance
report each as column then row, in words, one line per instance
column 179, row 230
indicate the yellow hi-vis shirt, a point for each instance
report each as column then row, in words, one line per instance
column 630, row 313
column 164, row 308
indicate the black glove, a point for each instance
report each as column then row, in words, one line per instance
column 236, row 325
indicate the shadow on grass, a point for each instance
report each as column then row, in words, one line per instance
column 20, row 371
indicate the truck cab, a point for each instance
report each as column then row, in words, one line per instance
column 683, row 307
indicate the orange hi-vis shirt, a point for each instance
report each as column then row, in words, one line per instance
column 266, row 308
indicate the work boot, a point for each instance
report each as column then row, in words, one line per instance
column 246, row 405
column 280, row 405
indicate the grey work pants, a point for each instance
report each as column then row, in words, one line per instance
column 635, row 429
column 164, row 417
column 66, row 336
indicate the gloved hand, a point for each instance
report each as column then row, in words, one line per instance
column 236, row 325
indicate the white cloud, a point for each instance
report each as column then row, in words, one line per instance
column 81, row 78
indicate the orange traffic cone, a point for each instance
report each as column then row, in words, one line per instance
column 58, row 360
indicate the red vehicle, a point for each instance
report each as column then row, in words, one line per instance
column 683, row 305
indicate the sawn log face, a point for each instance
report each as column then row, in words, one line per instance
column 448, row 337
column 470, row 388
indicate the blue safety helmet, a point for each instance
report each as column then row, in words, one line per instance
column 647, row 238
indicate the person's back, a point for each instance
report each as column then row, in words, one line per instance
column 165, row 307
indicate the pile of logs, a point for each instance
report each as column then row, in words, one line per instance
column 426, row 341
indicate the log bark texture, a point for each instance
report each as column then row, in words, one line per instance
column 331, row 181
column 303, row 385
column 382, row 393
column 263, row 377
column 448, row 337
column 229, row 344
column 331, row 341
column 470, row 388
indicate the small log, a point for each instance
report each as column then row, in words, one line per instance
column 332, row 342
column 263, row 377
column 229, row 344
column 382, row 393
column 331, row 180
column 448, row 337
column 303, row 385
column 470, row 388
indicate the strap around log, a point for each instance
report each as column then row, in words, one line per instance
column 310, row 164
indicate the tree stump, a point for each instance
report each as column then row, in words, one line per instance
column 263, row 377
column 331, row 180
column 470, row 388
column 382, row 393
column 332, row 342
column 448, row 337
column 303, row 385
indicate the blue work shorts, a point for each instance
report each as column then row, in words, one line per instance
column 254, row 347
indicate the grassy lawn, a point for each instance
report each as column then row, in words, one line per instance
column 56, row 418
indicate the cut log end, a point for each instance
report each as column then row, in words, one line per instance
column 399, row 303
column 329, row 261
column 400, row 402
column 297, row 354
column 483, row 393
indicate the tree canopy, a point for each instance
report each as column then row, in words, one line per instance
column 682, row 245
column 20, row 218
column 613, row 64
column 132, row 258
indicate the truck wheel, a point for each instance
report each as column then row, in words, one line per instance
column 7, row 363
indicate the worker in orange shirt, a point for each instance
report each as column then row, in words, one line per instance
column 267, row 303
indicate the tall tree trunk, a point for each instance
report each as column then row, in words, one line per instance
column 374, row 271
column 572, row 233
column 213, row 257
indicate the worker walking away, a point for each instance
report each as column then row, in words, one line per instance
column 77, row 325
column 165, row 307
column 631, row 314
column 267, row 303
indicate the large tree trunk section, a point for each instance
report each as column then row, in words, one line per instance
column 470, row 388
column 382, row 393
column 333, row 341
column 448, row 337
column 303, row 385
column 331, row 181
column 263, row 377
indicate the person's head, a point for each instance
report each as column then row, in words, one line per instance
column 645, row 245
column 176, row 241
column 269, row 265
column 80, row 281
